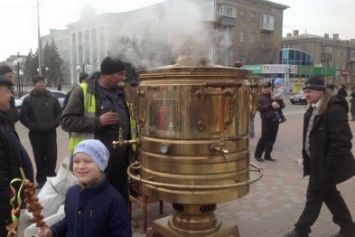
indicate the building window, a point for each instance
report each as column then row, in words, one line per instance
column 267, row 22
column 253, row 17
column 241, row 15
column 225, row 10
column 241, row 36
column 295, row 57
column 252, row 38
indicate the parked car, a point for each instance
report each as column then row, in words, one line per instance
column 59, row 94
column 298, row 98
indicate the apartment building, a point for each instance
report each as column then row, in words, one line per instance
column 249, row 31
column 256, row 30
column 327, row 51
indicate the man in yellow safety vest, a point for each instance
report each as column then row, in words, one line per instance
column 98, row 109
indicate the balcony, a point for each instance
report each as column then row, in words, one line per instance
column 267, row 27
column 227, row 20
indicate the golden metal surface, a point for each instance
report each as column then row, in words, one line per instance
column 193, row 130
column 162, row 227
column 193, row 144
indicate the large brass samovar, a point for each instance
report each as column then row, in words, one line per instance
column 194, row 148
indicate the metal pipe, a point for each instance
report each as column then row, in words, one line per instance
column 157, row 185
column 40, row 61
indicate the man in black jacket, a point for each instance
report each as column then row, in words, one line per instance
column 12, row 116
column 10, row 161
column 269, row 126
column 40, row 113
column 327, row 158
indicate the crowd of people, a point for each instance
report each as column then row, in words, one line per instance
column 326, row 150
column 94, row 112
column 97, row 109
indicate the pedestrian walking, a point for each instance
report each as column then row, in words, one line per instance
column 327, row 158
column 10, row 160
column 40, row 113
column 269, row 127
column 12, row 117
column 342, row 90
column 352, row 104
column 99, row 110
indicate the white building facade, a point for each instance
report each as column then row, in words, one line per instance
column 247, row 30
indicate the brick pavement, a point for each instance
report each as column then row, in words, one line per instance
column 275, row 202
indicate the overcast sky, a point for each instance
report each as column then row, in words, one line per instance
column 18, row 18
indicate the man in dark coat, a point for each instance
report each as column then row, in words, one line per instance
column 10, row 161
column 342, row 90
column 40, row 113
column 327, row 158
column 12, row 116
column 269, row 128
column 352, row 104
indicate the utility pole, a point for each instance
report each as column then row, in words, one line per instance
column 39, row 43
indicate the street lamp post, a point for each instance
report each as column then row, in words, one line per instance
column 326, row 62
column 46, row 80
column 18, row 61
column 78, row 68
column 86, row 67
column 40, row 63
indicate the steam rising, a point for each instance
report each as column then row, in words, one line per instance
column 173, row 31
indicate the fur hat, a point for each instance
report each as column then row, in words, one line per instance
column 37, row 78
column 111, row 66
column 315, row 83
column 5, row 82
column 5, row 69
column 96, row 150
column 82, row 76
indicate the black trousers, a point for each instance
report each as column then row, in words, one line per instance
column 116, row 172
column 44, row 146
column 3, row 230
column 26, row 164
column 336, row 205
column 267, row 140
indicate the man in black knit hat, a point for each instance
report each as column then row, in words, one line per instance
column 327, row 158
column 98, row 109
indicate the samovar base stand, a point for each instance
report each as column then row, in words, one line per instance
column 160, row 228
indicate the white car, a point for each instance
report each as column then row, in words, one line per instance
column 59, row 94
